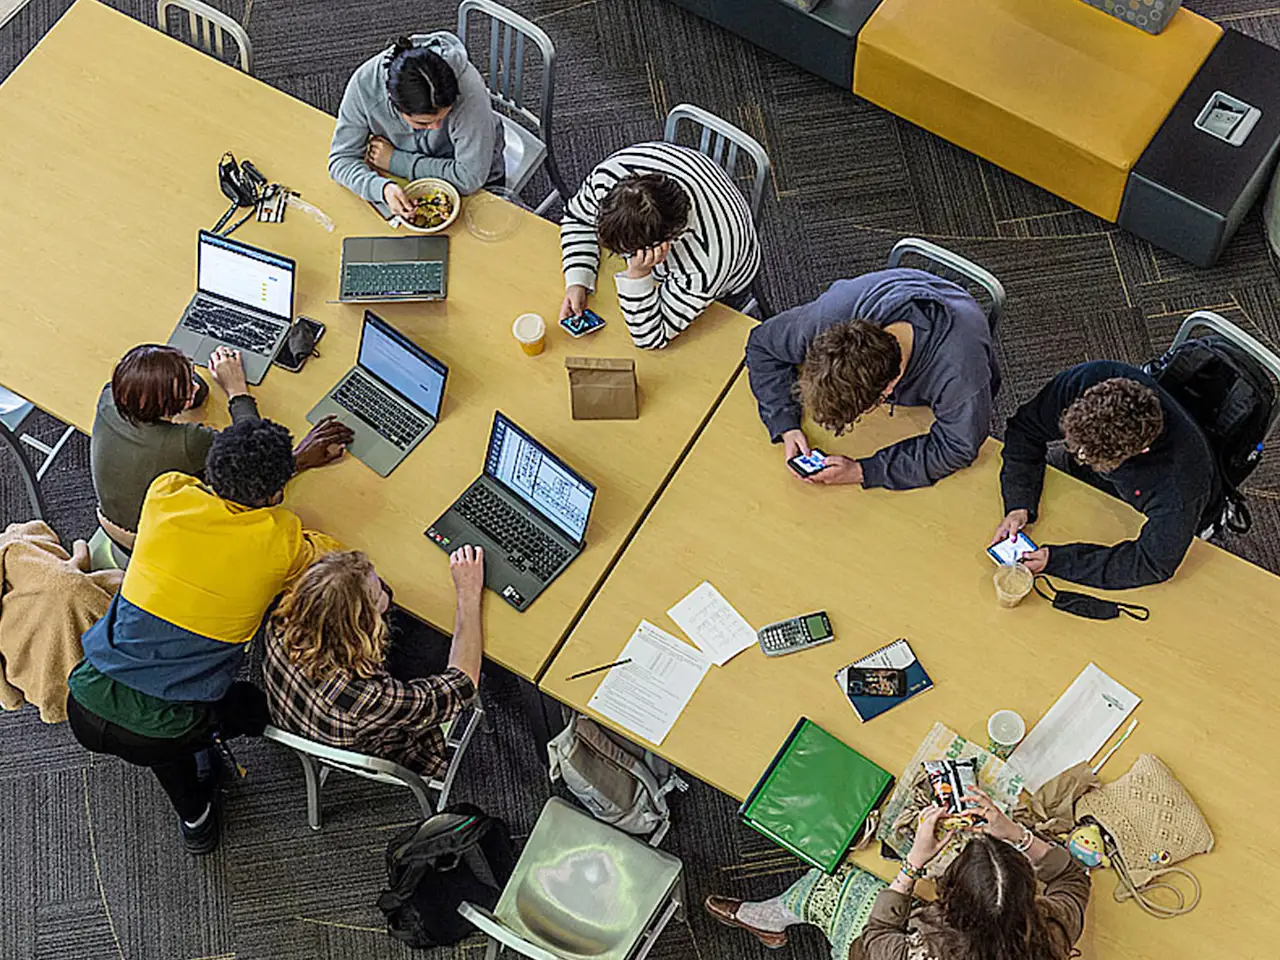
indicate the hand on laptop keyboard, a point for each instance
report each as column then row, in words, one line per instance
column 324, row 443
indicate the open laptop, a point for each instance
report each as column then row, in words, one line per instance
column 390, row 399
column 244, row 300
column 382, row 269
column 528, row 510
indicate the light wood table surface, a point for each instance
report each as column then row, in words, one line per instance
column 112, row 133
column 912, row 564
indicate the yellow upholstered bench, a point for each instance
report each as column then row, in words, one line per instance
column 1055, row 91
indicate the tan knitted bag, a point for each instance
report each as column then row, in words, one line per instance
column 1153, row 824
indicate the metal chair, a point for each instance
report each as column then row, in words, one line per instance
column 32, row 507
column 582, row 889
column 15, row 412
column 1269, row 360
column 206, row 29
column 727, row 145
column 527, row 133
column 951, row 266
column 318, row 759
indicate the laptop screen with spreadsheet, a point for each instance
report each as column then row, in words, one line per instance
column 538, row 477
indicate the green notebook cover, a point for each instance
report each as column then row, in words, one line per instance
column 815, row 796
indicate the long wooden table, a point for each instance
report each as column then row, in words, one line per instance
column 912, row 564
column 107, row 171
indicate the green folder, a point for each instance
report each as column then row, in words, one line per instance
column 815, row 796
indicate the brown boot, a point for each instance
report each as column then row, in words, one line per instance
column 726, row 911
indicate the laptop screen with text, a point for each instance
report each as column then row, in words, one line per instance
column 402, row 365
column 245, row 274
column 524, row 466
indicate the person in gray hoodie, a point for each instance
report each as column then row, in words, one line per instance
column 902, row 336
column 418, row 109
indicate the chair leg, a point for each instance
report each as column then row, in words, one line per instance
column 313, row 790
column 651, row 935
column 49, row 452
column 491, row 951
column 547, row 203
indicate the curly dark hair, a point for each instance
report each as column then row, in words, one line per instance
column 987, row 908
column 250, row 462
column 846, row 371
column 1111, row 422
column 641, row 211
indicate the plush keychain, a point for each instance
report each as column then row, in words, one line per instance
column 1085, row 844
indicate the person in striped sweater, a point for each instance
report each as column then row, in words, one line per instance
column 683, row 227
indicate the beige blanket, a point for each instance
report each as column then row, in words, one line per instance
column 47, row 601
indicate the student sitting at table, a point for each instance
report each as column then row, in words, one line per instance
column 988, row 907
column 902, row 336
column 683, row 226
column 418, row 109
column 1127, row 437
column 135, row 438
column 156, row 682
column 335, row 673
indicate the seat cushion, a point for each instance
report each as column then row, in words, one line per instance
column 1055, row 91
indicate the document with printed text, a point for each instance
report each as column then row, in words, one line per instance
column 711, row 622
column 647, row 695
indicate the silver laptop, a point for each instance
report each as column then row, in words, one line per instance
column 392, row 269
column 529, row 511
column 244, row 300
column 391, row 398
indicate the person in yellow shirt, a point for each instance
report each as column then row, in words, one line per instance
column 157, row 682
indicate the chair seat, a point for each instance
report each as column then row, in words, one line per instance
column 522, row 153
column 1055, row 91
column 583, row 888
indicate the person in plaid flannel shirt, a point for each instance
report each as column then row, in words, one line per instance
column 329, row 676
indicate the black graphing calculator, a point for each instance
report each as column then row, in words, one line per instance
column 798, row 633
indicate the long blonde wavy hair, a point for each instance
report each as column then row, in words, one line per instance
column 328, row 622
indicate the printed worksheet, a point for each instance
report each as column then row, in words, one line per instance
column 647, row 695
column 711, row 622
column 1075, row 728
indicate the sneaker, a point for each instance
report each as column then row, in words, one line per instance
column 201, row 840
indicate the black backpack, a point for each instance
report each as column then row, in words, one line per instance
column 1230, row 395
column 458, row 854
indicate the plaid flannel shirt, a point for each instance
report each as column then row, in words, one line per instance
column 381, row 716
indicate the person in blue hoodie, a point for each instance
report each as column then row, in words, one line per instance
column 900, row 336
column 417, row 109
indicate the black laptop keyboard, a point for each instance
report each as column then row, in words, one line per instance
column 242, row 330
column 389, row 417
column 413, row 279
column 528, row 547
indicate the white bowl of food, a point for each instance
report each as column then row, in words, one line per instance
column 436, row 203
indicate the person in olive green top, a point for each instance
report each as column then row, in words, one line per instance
column 135, row 438
column 988, row 905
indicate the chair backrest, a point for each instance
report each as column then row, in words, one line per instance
column 513, row 41
column 207, row 29
column 388, row 771
column 1268, row 359
column 951, row 266
column 726, row 145
column 20, row 500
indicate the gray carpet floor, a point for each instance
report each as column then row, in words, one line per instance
column 92, row 867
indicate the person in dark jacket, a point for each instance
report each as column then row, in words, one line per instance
column 1127, row 437
column 902, row 336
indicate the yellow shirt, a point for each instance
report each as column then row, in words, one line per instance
column 212, row 567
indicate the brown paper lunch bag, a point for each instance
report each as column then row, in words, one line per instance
column 602, row 388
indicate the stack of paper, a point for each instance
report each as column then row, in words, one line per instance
column 647, row 695
column 713, row 624
column 1075, row 728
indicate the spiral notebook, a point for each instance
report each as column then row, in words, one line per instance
column 897, row 654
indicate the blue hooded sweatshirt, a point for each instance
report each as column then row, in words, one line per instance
column 952, row 368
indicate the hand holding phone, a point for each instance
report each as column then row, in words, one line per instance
column 806, row 465
column 579, row 326
column 1011, row 549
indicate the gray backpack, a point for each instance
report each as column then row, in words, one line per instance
column 620, row 783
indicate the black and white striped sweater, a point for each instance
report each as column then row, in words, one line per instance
column 717, row 255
